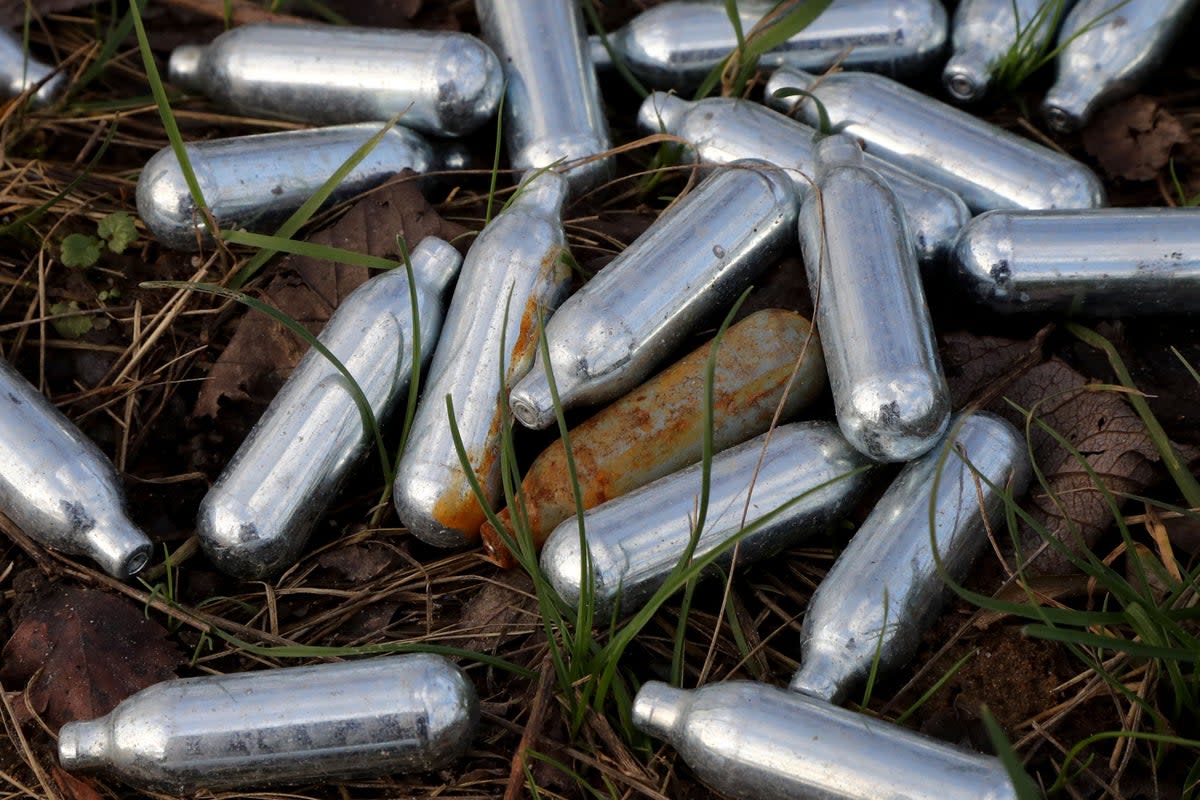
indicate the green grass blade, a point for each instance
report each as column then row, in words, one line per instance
column 937, row 686
column 1114, row 643
column 168, row 120
column 1022, row 783
column 279, row 244
column 617, row 58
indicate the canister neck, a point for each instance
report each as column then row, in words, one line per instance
column 183, row 69
column 84, row 745
column 659, row 708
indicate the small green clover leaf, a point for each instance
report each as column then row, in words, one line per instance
column 118, row 230
column 80, row 250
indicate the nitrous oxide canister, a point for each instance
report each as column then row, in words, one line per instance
column 985, row 165
column 807, row 474
column 658, row 428
column 887, row 586
column 256, row 181
column 409, row 713
column 20, row 72
column 256, row 518
column 443, row 83
column 985, row 31
column 514, row 275
column 1109, row 47
column 677, row 44
column 754, row 741
column 693, row 260
column 58, row 487
column 889, row 393
column 1102, row 262
column 720, row 130
column 552, row 109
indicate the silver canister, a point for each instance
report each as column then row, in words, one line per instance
column 445, row 83
column 1102, row 262
column 409, row 713
column 886, row 586
column 986, row 31
column 635, row 540
column 257, row 181
column 721, row 130
column 754, row 741
column 677, row 44
column 58, row 487
column 514, row 275
column 1109, row 47
column 987, row 166
column 256, row 518
column 889, row 393
column 552, row 109
column 693, row 260
column 20, row 72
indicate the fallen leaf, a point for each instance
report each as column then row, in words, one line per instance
column 1105, row 430
column 88, row 649
column 72, row 786
column 1100, row 425
column 262, row 353
column 502, row 610
column 357, row 563
column 1133, row 139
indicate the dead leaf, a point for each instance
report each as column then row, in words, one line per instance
column 357, row 563
column 88, row 649
column 1133, row 139
column 1103, row 428
column 262, row 353
column 978, row 366
column 502, row 610
column 72, row 786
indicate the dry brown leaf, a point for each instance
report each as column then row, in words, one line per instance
column 978, row 365
column 262, row 352
column 1103, row 428
column 1133, row 139
column 89, row 651
column 501, row 610
column 357, row 563
column 74, row 787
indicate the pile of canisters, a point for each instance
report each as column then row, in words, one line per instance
column 909, row 189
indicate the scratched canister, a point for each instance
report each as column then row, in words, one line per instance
column 720, row 130
column 676, row 45
column 256, row 518
column 256, row 181
column 442, row 82
column 696, row 258
column 889, row 393
column 1101, row 262
column 887, row 586
column 514, row 275
column 987, row 166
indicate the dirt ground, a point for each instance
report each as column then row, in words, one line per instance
column 168, row 382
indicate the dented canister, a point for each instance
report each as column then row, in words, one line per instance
column 256, row 181
column 754, row 741
column 1109, row 47
column 887, row 586
column 659, row 427
column 58, row 487
column 552, row 108
column 514, row 275
column 889, row 393
column 442, row 82
column 985, row 31
column 985, row 165
column 809, row 475
column 407, row 713
column 1100, row 262
column 256, row 518
column 720, row 130
column 20, row 72
column 677, row 44
column 693, row 260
